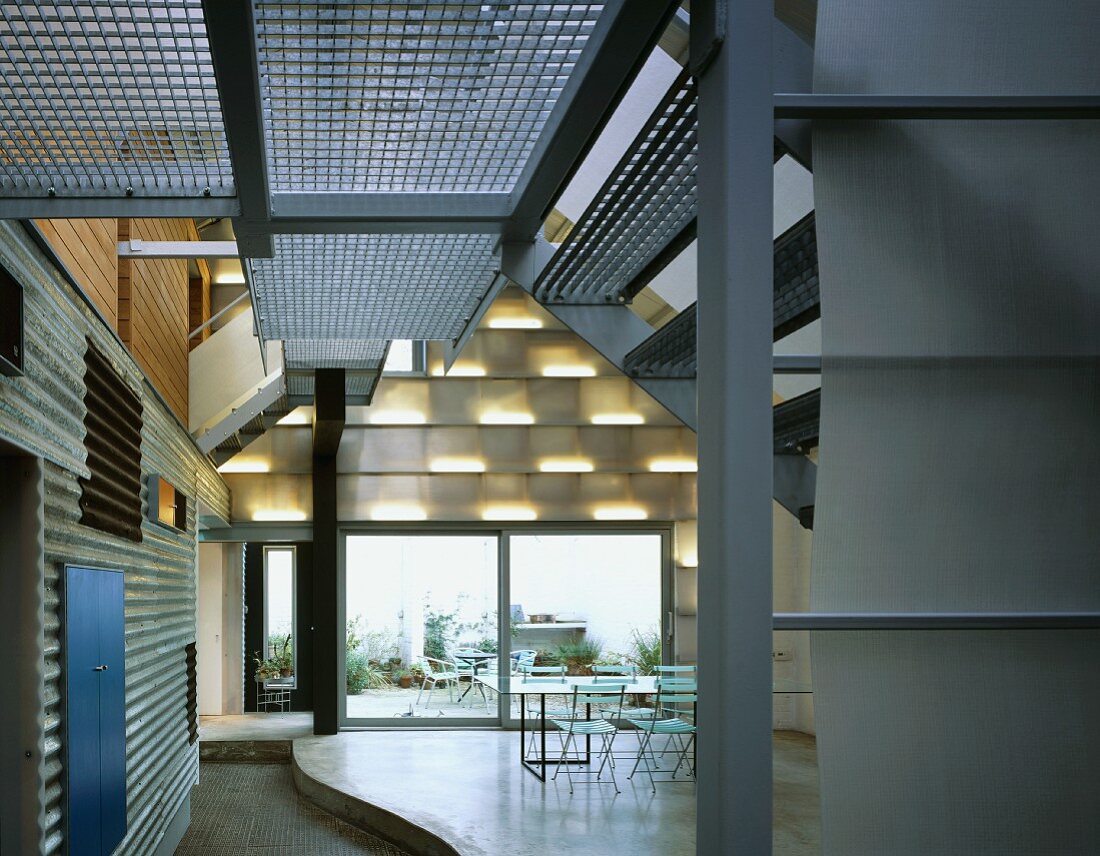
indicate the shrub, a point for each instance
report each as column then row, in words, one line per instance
column 579, row 655
column 645, row 650
column 355, row 672
column 439, row 632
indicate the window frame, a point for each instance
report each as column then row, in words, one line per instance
column 293, row 550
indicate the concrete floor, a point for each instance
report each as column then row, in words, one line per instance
column 243, row 808
column 256, row 726
column 468, row 789
column 394, row 701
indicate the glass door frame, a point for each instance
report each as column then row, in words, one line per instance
column 503, row 718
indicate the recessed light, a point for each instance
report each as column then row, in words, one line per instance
column 618, row 419
column 466, row 371
column 275, row 516
column 244, row 467
column 673, row 465
column 565, row 465
column 398, row 512
column 620, row 512
column 457, row 465
column 500, row 418
column 515, row 324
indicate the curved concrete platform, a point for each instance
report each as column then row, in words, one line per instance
column 463, row 793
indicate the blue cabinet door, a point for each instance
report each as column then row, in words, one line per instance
column 95, row 710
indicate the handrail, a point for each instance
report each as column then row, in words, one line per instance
column 240, row 297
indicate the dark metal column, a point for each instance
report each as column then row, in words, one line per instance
column 328, row 426
column 731, row 55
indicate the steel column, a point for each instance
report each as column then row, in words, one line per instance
column 731, row 52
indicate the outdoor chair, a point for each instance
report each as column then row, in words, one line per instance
column 436, row 672
column 671, row 702
column 581, row 724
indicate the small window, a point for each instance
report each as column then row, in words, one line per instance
column 279, row 615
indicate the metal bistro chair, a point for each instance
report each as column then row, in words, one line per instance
column 550, row 676
column 437, row 672
column 467, row 670
column 580, row 724
column 670, row 721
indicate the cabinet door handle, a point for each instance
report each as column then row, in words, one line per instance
column 101, row 668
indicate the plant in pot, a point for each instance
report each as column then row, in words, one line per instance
column 282, row 655
column 401, row 677
column 578, row 656
column 416, row 670
column 266, row 668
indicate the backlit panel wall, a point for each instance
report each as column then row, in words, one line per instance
column 958, row 468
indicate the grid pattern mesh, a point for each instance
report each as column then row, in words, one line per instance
column 411, row 96
column 102, row 96
column 357, row 287
column 647, row 201
column 358, row 384
column 670, row 352
column 335, row 353
column 797, row 292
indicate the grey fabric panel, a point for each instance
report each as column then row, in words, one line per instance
column 960, row 297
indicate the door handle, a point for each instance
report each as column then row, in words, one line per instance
column 101, row 668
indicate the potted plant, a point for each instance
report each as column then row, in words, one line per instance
column 402, row 677
column 282, row 655
column 417, row 672
column 578, row 656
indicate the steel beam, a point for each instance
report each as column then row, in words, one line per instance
column 452, row 349
column 796, row 364
column 137, row 249
column 803, row 105
column 232, row 36
column 624, row 34
column 936, row 621
column 84, row 207
column 731, row 49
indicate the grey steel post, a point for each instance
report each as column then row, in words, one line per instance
column 731, row 56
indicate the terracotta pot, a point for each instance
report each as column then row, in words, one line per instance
column 286, row 673
column 405, row 681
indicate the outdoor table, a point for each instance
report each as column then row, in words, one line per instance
column 515, row 685
column 476, row 660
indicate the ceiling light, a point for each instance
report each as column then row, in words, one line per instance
column 273, row 516
column 499, row 418
column 229, row 279
column 397, row 417
column 457, row 465
column 673, row 465
column 565, row 465
column 398, row 512
column 244, row 467
column 466, row 371
column 569, row 371
column 620, row 512
column 509, row 512
column 297, row 416
column 618, row 419
column 515, row 324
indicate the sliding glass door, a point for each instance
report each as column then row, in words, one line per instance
column 421, row 621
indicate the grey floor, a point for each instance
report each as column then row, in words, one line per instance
column 254, row 809
column 256, row 726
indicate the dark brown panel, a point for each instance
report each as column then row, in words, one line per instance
column 110, row 498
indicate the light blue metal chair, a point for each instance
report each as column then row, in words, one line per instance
column 437, row 672
column 581, row 724
column 671, row 704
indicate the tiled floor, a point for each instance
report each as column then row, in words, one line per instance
column 254, row 809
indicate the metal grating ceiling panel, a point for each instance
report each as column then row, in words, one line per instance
column 356, row 384
column 797, row 290
column 336, row 353
column 669, row 352
column 411, row 96
column 371, row 286
column 646, row 202
column 101, row 97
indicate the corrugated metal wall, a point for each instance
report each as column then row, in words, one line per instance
column 44, row 412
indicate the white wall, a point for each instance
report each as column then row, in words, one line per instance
column 209, row 642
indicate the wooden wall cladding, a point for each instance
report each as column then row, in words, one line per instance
column 87, row 248
column 153, row 308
